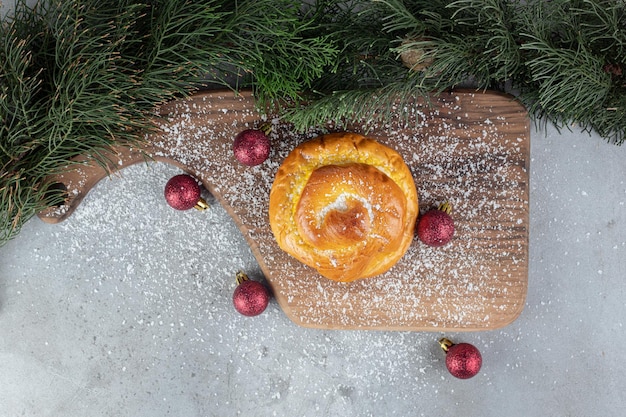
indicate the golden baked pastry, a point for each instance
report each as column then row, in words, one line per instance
column 345, row 205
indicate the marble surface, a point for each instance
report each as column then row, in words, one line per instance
column 125, row 309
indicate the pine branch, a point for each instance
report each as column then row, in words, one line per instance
column 564, row 59
column 564, row 77
column 80, row 76
column 366, row 107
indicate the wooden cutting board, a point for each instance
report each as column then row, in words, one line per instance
column 468, row 148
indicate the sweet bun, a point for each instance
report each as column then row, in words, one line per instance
column 345, row 205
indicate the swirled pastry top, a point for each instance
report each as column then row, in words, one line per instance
column 345, row 205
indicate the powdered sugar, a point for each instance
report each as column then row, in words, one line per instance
column 477, row 280
column 341, row 204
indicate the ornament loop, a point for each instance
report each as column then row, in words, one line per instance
column 446, row 207
column 445, row 344
column 266, row 128
column 241, row 277
column 201, row 205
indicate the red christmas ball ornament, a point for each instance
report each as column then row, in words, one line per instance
column 250, row 297
column 182, row 192
column 436, row 227
column 252, row 146
column 463, row 360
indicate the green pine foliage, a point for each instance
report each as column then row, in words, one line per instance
column 564, row 59
column 79, row 76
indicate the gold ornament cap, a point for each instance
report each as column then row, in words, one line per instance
column 446, row 207
column 241, row 277
column 266, row 127
column 201, row 205
column 445, row 344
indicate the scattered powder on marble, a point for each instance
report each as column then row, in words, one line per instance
column 165, row 278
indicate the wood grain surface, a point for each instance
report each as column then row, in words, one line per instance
column 468, row 148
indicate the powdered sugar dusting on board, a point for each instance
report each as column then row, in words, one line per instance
column 478, row 164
